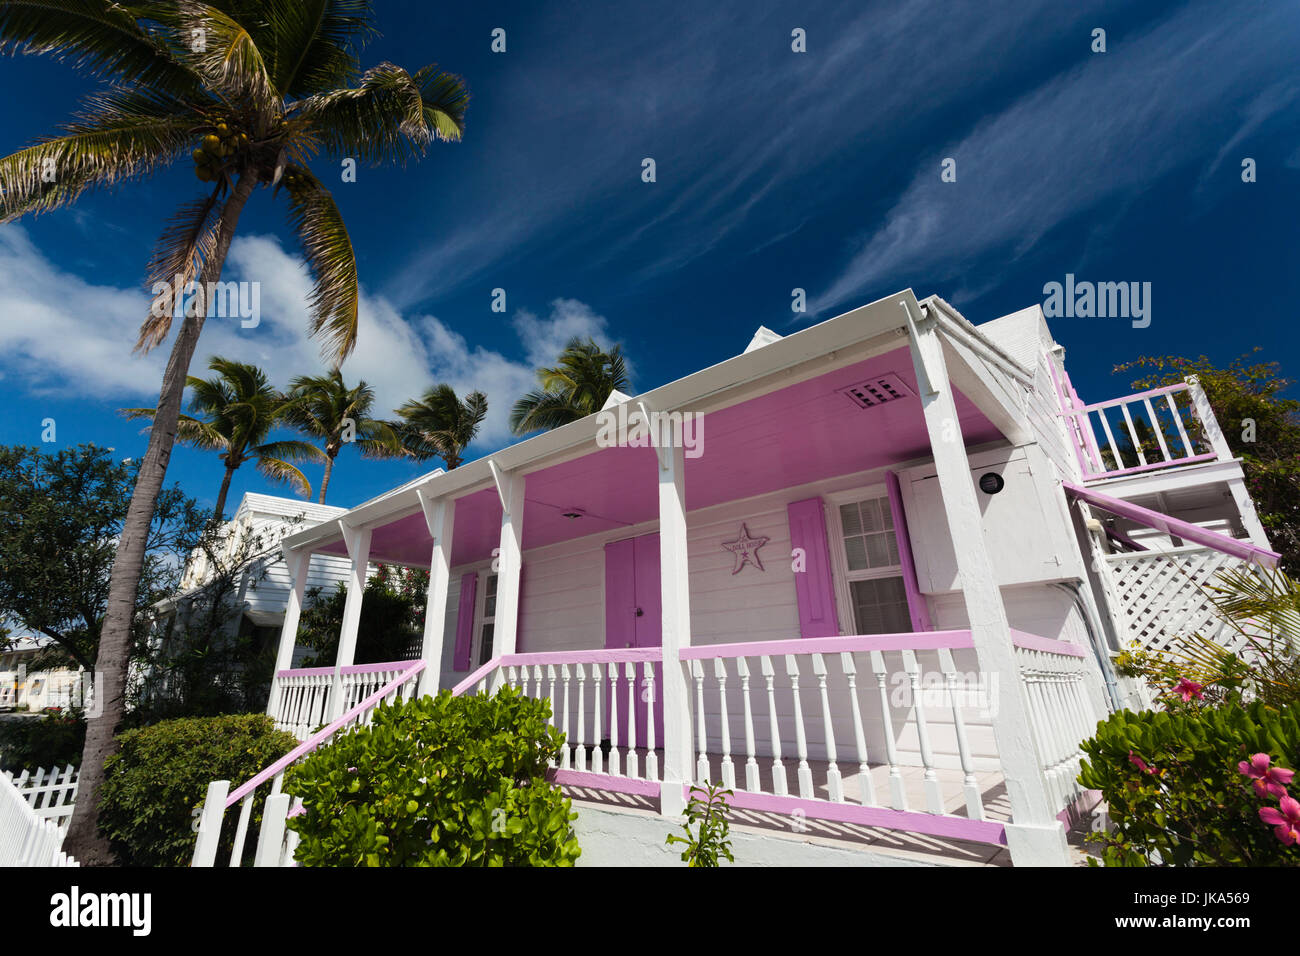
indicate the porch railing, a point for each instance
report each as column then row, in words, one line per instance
column 304, row 694
column 275, row 843
column 602, row 700
column 1161, row 428
column 887, row 730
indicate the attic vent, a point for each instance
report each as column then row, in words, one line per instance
column 876, row 391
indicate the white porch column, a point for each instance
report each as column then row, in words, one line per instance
column 675, row 598
column 509, row 564
column 1245, row 507
column 357, row 541
column 297, row 563
column 1035, row 837
column 439, row 515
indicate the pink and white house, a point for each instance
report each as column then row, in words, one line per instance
column 873, row 584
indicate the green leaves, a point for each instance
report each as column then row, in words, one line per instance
column 1194, row 808
column 161, row 773
column 439, row 781
column 707, row 813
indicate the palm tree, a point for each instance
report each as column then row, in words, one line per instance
column 577, row 386
column 440, row 424
column 241, row 408
column 252, row 90
column 324, row 407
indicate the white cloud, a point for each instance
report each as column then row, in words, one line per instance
column 59, row 332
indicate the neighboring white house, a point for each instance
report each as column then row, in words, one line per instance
column 249, row 546
column 870, row 575
column 23, row 687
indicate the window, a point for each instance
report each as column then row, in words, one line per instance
column 487, row 618
column 871, row 568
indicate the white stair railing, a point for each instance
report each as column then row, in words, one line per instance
column 276, row 843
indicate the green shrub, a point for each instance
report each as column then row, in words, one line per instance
column 158, row 779
column 53, row 741
column 1174, row 790
column 439, row 781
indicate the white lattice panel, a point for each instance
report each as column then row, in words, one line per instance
column 1164, row 595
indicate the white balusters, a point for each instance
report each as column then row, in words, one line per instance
column 632, row 763
column 800, row 738
column 728, row 768
column 579, row 750
column 702, row 761
column 650, row 694
column 780, row 787
column 597, row 719
column 859, row 738
column 834, row 784
column 897, row 793
column 933, row 793
column 613, row 720
column 564, row 722
column 970, row 788
column 752, row 782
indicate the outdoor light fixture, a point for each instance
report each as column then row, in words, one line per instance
column 991, row 483
column 574, row 513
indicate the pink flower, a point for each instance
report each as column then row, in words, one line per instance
column 1187, row 689
column 1138, row 762
column 1286, row 823
column 1268, row 780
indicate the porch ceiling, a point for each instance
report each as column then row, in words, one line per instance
column 792, row 436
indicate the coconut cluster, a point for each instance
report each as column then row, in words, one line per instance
column 217, row 147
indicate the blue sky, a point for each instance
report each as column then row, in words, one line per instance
column 775, row 170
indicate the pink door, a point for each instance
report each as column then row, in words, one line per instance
column 633, row 619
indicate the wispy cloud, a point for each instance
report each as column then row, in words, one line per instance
column 59, row 332
column 738, row 124
column 1099, row 133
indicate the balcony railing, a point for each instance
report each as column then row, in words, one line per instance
column 1159, row 428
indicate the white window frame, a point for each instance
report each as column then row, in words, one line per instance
column 841, row 576
column 480, row 616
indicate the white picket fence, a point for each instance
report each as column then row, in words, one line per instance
column 26, row 838
column 51, row 793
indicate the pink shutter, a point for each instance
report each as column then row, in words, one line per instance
column 465, row 622
column 813, row 586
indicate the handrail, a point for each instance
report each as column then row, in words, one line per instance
column 316, row 739
column 608, row 655
column 1149, row 393
column 1175, row 527
column 345, row 670
column 902, row 641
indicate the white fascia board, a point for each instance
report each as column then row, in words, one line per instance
column 716, row 386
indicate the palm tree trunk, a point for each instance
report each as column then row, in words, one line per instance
column 83, row 840
column 219, row 512
column 325, row 482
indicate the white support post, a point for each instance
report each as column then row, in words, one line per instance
column 297, row 563
column 675, row 599
column 1210, row 422
column 357, row 541
column 505, row 631
column 1035, row 837
column 440, row 516
column 209, row 832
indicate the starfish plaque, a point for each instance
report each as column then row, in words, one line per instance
column 745, row 549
